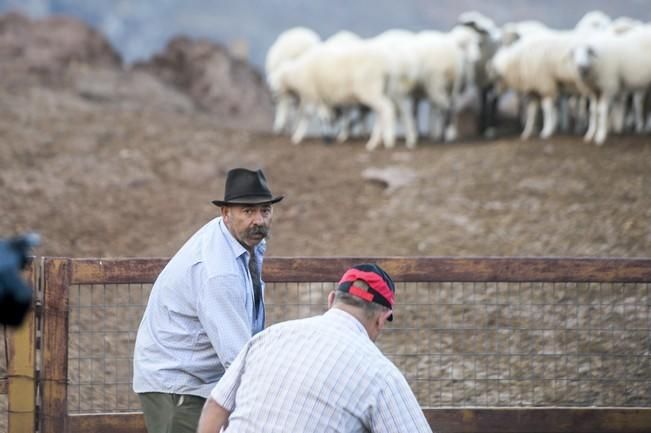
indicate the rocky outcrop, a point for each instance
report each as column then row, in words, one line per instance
column 215, row 80
column 43, row 50
column 68, row 56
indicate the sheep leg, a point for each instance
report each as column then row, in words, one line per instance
column 564, row 113
column 602, row 130
column 638, row 108
column 451, row 132
column 282, row 112
column 451, row 129
column 440, row 103
column 354, row 122
column 550, row 117
column 582, row 114
column 405, row 109
column 618, row 113
column 484, row 110
column 532, row 109
column 384, row 127
column 376, row 136
column 388, row 118
column 344, row 129
column 301, row 127
column 435, row 123
column 592, row 123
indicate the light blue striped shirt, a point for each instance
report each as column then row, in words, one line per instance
column 199, row 315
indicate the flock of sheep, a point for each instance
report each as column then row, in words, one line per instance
column 591, row 79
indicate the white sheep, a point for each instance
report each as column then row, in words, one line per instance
column 611, row 65
column 622, row 25
column 619, row 105
column 403, row 63
column 443, row 71
column 289, row 45
column 343, row 37
column 344, row 117
column 593, row 20
column 540, row 67
column 332, row 76
column 513, row 31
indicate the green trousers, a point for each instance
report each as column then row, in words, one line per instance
column 171, row 413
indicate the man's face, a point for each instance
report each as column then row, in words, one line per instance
column 249, row 224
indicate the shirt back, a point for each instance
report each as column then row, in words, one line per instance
column 321, row 374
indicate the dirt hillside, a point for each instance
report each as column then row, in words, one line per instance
column 109, row 161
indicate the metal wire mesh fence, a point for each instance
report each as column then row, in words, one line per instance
column 103, row 324
column 457, row 343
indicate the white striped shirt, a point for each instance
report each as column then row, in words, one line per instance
column 199, row 315
column 321, row 374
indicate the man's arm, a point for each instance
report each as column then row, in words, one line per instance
column 221, row 401
column 397, row 409
column 213, row 417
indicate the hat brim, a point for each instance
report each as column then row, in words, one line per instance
column 248, row 200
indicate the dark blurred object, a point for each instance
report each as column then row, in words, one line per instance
column 15, row 293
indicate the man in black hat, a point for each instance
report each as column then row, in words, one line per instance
column 204, row 306
column 321, row 374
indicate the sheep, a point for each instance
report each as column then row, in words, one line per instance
column 622, row 25
column 443, row 66
column 513, row 31
column 289, row 45
column 344, row 115
column 343, row 37
column 609, row 65
column 540, row 66
column 490, row 39
column 593, row 20
column 399, row 49
column 330, row 76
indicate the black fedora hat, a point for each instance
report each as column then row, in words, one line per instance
column 245, row 186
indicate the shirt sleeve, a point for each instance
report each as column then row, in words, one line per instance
column 397, row 409
column 226, row 389
column 222, row 311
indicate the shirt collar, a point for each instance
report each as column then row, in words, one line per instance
column 346, row 319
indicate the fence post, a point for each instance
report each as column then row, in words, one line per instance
column 54, row 370
column 21, row 386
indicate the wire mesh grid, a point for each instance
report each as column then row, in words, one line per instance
column 103, row 322
column 458, row 344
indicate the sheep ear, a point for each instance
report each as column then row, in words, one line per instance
column 474, row 26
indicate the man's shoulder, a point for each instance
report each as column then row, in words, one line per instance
column 289, row 328
column 207, row 250
column 213, row 249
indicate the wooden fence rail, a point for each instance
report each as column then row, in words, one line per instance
column 58, row 274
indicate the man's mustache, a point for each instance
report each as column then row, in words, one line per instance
column 258, row 230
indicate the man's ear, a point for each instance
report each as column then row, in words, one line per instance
column 382, row 318
column 331, row 299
